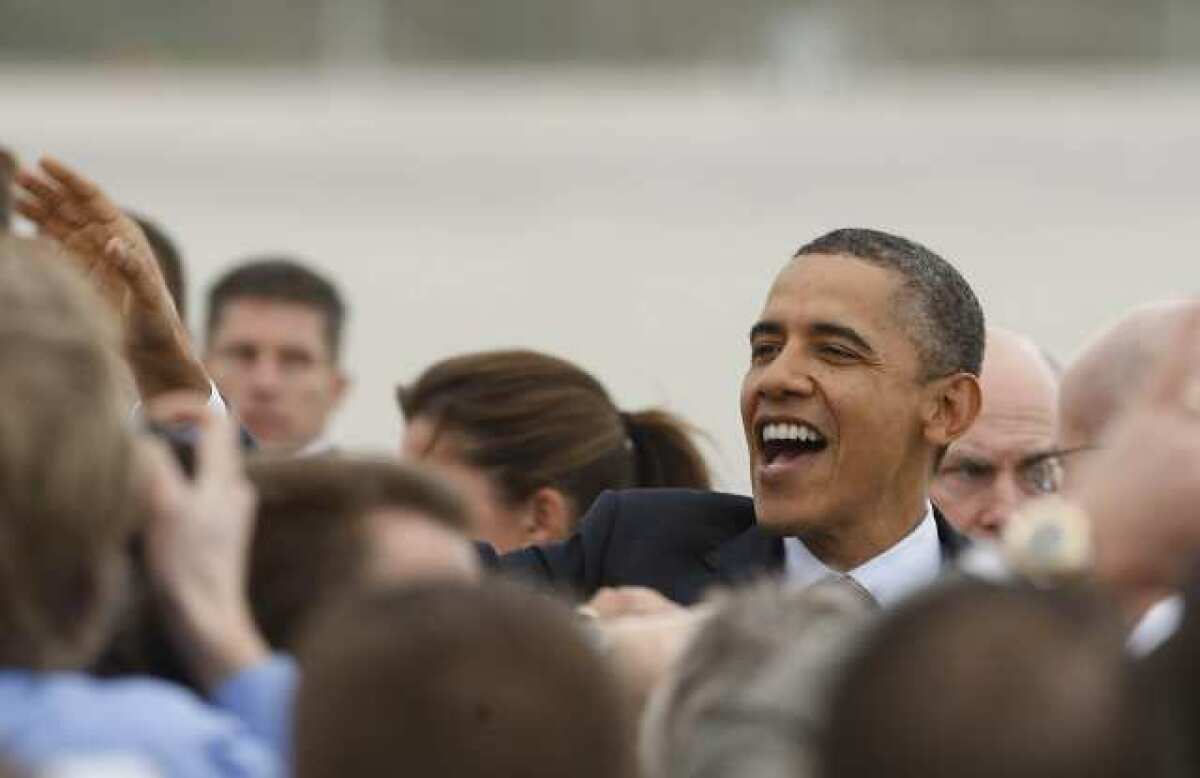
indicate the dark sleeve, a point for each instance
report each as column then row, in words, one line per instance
column 576, row 565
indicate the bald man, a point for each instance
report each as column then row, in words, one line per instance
column 1108, row 374
column 1009, row 453
column 1102, row 383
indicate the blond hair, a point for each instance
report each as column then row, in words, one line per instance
column 66, row 497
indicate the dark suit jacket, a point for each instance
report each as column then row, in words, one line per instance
column 678, row 541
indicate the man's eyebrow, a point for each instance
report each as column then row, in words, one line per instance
column 766, row 328
column 978, row 460
column 831, row 329
column 1049, row 453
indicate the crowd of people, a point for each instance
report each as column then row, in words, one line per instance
column 960, row 557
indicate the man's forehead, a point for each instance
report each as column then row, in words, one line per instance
column 261, row 318
column 832, row 287
column 1021, row 432
column 270, row 307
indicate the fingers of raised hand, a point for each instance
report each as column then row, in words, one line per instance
column 70, row 179
column 34, row 186
column 64, row 194
column 87, row 195
column 218, row 455
column 165, row 483
column 38, row 200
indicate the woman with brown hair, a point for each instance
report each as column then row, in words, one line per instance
column 531, row 440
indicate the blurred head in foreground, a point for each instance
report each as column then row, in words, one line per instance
column 66, row 466
column 1008, row 455
column 457, row 680
column 1109, row 374
column 324, row 527
column 329, row 524
column 532, row 440
column 748, row 696
column 274, row 339
column 990, row 682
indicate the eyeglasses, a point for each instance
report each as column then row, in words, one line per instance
column 1035, row 475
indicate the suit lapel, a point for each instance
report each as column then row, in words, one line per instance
column 747, row 555
column 951, row 540
column 754, row 552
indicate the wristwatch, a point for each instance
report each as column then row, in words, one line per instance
column 1049, row 541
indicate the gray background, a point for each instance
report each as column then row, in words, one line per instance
column 623, row 197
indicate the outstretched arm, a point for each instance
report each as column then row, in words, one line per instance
column 111, row 250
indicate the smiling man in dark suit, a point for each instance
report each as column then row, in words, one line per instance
column 864, row 367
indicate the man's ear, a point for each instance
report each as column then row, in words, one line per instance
column 954, row 404
column 341, row 385
column 548, row 517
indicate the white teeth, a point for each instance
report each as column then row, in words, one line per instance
column 802, row 433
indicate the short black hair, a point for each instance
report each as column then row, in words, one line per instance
column 280, row 279
column 170, row 261
column 945, row 316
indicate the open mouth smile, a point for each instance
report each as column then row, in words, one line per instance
column 783, row 443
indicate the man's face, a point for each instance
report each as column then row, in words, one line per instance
column 272, row 361
column 1008, row 455
column 831, row 404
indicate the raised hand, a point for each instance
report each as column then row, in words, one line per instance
column 114, row 254
column 197, row 542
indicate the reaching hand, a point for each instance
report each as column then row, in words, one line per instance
column 620, row 601
column 114, row 254
column 198, row 542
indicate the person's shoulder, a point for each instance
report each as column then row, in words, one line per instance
column 130, row 710
column 64, row 713
column 133, row 704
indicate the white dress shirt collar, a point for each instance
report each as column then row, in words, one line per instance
column 318, row 446
column 911, row 564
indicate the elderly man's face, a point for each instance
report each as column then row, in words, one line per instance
column 832, row 401
column 1008, row 456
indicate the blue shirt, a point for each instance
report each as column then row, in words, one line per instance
column 49, row 718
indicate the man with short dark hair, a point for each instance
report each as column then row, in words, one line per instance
column 274, row 337
column 455, row 680
column 863, row 368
